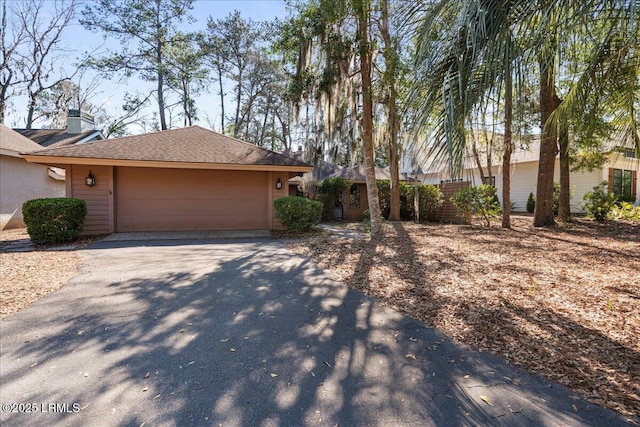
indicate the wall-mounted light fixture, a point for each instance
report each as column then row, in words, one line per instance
column 278, row 184
column 90, row 180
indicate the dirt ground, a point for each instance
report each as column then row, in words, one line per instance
column 562, row 302
column 25, row 277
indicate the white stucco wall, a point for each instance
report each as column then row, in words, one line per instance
column 21, row 181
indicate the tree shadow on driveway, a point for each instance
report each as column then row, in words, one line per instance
column 247, row 333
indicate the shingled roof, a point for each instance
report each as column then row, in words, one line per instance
column 185, row 145
column 13, row 141
column 50, row 138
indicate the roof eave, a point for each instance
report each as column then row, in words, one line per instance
column 60, row 160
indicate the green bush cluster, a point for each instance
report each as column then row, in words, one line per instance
column 625, row 211
column 329, row 194
column 54, row 220
column 599, row 202
column 297, row 213
column 430, row 197
column 477, row 202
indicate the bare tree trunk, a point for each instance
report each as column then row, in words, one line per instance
column 160, row 88
column 390, row 59
column 30, row 110
column 236, row 122
column 564, row 202
column 476, row 156
column 221, row 101
column 416, row 201
column 367, row 118
column 508, row 147
column 543, row 214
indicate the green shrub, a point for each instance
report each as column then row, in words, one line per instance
column 384, row 196
column 531, row 203
column 556, row 198
column 431, row 199
column 328, row 206
column 625, row 211
column 333, row 186
column 54, row 220
column 477, row 202
column 330, row 195
column 598, row 202
column 297, row 213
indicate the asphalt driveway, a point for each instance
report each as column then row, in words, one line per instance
column 190, row 333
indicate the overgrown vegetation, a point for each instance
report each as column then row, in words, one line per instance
column 54, row 220
column 477, row 202
column 430, row 199
column 329, row 194
column 297, row 213
column 625, row 211
column 599, row 202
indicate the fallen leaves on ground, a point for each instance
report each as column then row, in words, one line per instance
column 562, row 302
column 28, row 276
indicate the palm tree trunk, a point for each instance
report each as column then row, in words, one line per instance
column 543, row 214
column 564, row 202
column 363, row 8
column 508, row 146
column 390, row 59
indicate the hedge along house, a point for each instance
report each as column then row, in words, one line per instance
column 176, row 180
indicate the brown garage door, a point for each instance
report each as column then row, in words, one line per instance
column 150, row 199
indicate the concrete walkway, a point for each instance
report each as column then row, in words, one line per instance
column 246, row 333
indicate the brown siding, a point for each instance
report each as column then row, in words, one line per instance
column 448, row 212
column 99, row 198
column 150, row 199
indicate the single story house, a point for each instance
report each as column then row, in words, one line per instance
column 354, row 200
column 21, row 181
column 183, row 179
column 80, row 128
column 621, row 171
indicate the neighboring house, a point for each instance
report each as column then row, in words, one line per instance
column 80, row 129
column 354, row 200
column 21, row 181
column 621, row 172
column 182, row 179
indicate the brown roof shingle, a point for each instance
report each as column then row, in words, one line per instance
column 185, row 145
column 13, row 141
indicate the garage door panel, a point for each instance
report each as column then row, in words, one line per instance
column 182, row 199
column 206, row 191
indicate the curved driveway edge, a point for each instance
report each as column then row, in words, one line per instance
column 175, row 333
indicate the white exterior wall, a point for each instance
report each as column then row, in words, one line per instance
column 21, row 181
column 620, row 162
column 524, row 177
column 524, row 180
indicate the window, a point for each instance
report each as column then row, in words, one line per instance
column 623, row 184
column 491, row 180
column 354, row 196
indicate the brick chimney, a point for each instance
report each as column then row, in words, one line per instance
column 79, row 122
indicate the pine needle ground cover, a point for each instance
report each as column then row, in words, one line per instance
column 561, row 302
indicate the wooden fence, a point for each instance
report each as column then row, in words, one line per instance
column 448, row 212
